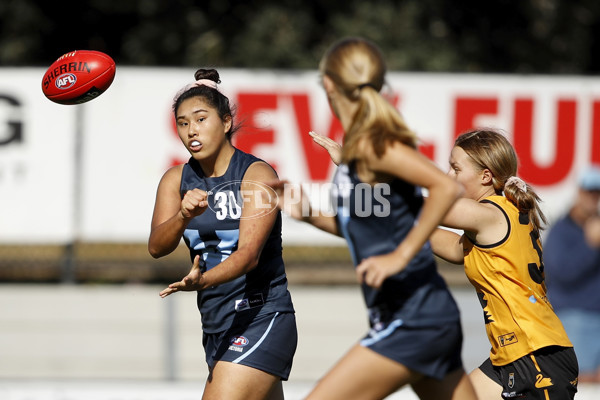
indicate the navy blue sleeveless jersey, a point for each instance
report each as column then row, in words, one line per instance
column 374, row 220
column 214, row 235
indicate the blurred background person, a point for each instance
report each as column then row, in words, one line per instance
column 572, row 261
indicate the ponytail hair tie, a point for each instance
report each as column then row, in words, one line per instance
column 363, row 85
column 200, row 82
column 205, row 82
column 518, row 182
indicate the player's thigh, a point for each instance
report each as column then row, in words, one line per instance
column 267, row 343
column 485, row 387
column 239, row 382
column 454, row 386
column 362, row 374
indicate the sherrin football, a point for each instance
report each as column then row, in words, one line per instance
column 78, row 77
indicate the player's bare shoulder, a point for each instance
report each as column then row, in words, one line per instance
column 172, row 177
column 260, row 171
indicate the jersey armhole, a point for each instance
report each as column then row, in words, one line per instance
column 504, row 239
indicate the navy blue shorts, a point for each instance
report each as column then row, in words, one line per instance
column 547, row 373
column 433, row 351
column 267, row 343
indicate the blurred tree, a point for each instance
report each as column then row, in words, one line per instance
column 275, row 38
column 503, row 36
column 21, row 24
column 538, row 36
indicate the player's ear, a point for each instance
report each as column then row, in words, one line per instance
column 227, row 121
column 486, row 177
column 328, row 84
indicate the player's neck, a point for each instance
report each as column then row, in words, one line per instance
column 217, row 165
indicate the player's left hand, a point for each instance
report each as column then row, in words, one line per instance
column 190, row 282
column 374, row 270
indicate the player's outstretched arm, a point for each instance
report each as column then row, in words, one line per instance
column 292, row 201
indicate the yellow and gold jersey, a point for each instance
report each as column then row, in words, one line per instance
column 509, row 279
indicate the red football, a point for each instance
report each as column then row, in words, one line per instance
column 78, row 76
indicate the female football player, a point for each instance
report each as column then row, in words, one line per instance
column 248, row 321
column 531, row 355
column 415, row 337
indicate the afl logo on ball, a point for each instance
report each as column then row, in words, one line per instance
column 65, row 81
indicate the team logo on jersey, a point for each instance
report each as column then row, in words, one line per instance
column 228, row 199
column 507, row 339
column 237, row 343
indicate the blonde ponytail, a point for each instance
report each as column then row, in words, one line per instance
column 490, row 149
column 526, row 200
column 357, row 68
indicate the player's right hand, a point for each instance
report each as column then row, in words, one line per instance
column 194, row 203
column 333, row 148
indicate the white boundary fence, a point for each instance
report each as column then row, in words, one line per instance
column 73, row 172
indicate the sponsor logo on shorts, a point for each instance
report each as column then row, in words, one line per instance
column 511, row 380
column 237, row 343
column 574, row 382
column 511, row 385
column 512, row 395
column 507, row 339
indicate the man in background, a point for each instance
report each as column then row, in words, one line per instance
column 572, row 262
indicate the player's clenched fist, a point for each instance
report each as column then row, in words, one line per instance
column 194, row 203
